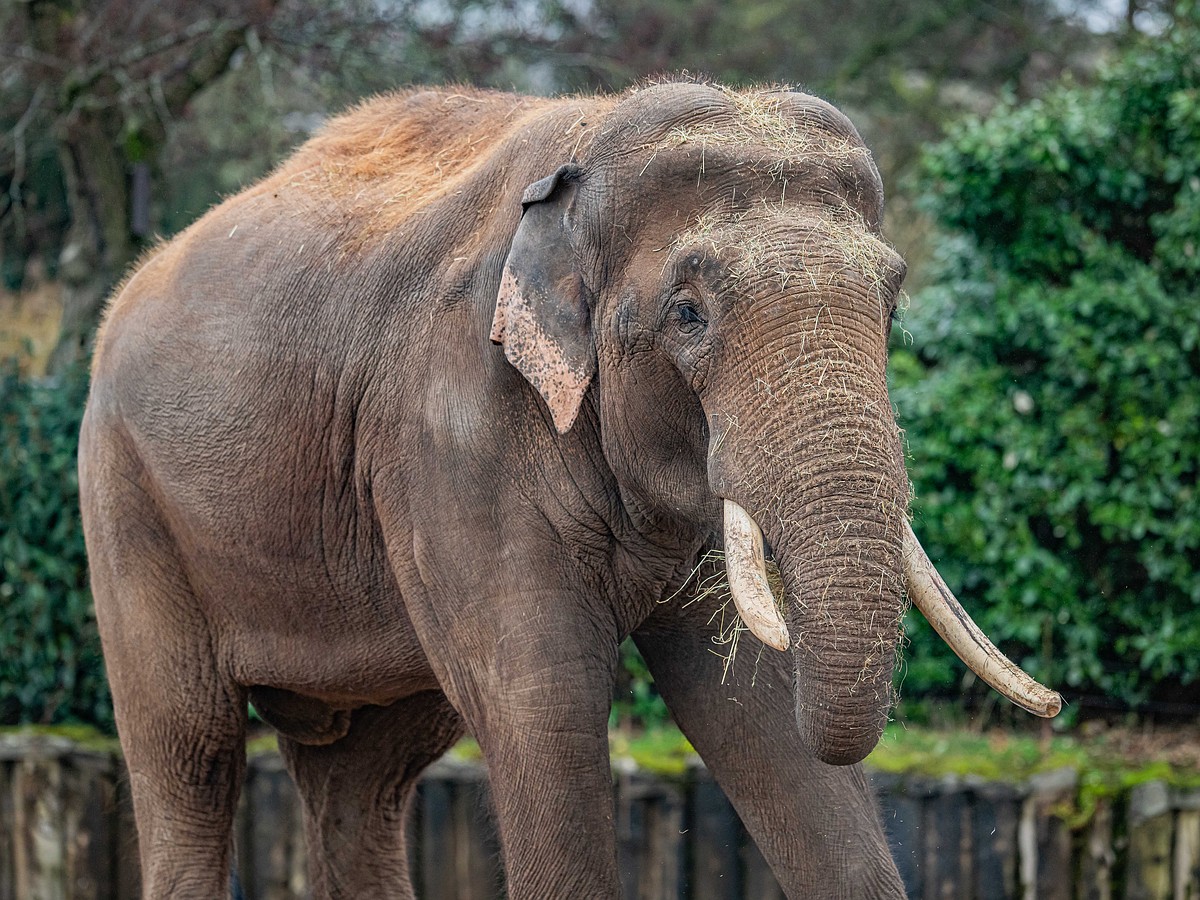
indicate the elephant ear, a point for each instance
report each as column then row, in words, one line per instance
column 542, row 316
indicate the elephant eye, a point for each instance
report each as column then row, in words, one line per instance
column 689, row 317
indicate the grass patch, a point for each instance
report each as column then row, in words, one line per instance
column 1005, row 756
column 83, row 736
column 260, row 744
column 662, row 751
column 466, row 750
column 998, row 756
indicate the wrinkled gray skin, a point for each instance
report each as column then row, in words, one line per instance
column 396, row 459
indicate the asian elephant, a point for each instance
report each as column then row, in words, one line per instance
column 402, row 441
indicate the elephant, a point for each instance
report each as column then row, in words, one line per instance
column 401, row 443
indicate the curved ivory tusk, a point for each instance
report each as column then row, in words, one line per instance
column 930, row 595
column 747, row 569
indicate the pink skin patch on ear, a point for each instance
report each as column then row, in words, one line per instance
column 508, row 288
column 538, row 356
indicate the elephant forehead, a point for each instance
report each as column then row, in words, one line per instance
column 774, row 143
column 822, row 245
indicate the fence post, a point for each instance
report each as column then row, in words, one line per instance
column 1186, row 875
column 995, row 813
column 902, row 808
column 716, row 835
column 89, row 786
column 650, row 839
column 8, row 830
column 1096, row 864
column 40, row 847
column 1148, row 872
column 1043, row 839
column 274, row 855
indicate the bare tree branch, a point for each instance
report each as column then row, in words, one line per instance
column 17, row 181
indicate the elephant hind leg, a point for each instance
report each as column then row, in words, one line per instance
column 356, row 792
column 181, row 718
column 186, row 767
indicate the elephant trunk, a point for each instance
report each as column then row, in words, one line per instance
column 830, row 494
column 804, row 445
column 842, row 572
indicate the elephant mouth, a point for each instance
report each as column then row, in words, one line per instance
column 745, row 560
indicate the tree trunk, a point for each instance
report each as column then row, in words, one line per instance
column 149, row 79
column 99, row 242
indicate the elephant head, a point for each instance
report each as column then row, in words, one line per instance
column 712, row 265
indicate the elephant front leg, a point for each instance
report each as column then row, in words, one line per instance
column 816, row 824
column 539, row 709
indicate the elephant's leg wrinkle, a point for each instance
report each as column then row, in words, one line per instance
column 544, row 737
column 356, row 792
column 184, row 802
column 182, row 725
column 527, row 656
column 817, row 825
column 181, row 718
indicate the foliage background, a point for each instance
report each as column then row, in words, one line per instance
column 1048, row 382
column 50, row 664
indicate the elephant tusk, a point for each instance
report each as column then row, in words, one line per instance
column 930, row 595
column 746, row 566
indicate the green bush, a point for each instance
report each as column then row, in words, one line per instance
column 1051, row 392
column 50, row 665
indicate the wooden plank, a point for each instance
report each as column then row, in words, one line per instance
column 664, row 871
column 649, row 819
column 1151, row 830
column 630, row 811
column 40, row 849
column 902, row 809
column 273, row 805
column 650, row 840
column 995, row 812
column 8, row 833
column 1043, row 839
column 90, row 822
column 1185, row 881
column 717, row 835
column 947, row 857
column 299, row 873
column 477, row 846
column 436, row 872
column 1097, row 857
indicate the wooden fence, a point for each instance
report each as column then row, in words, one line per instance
column 66, row 833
